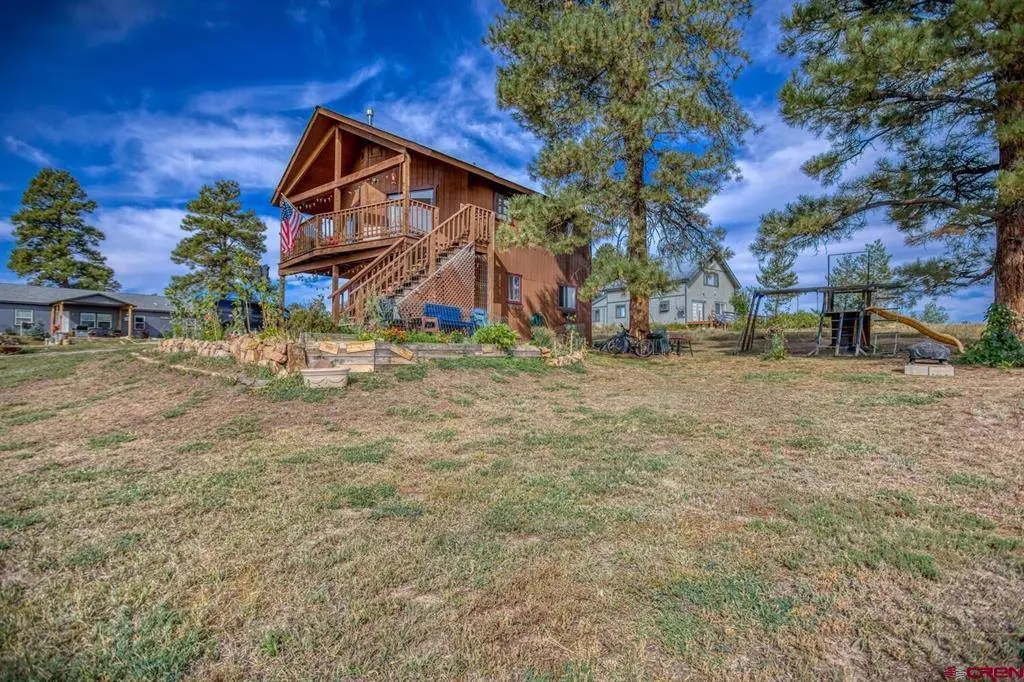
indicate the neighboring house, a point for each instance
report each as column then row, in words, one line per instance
column 698, row 294
column 53, row 309
column 402, row 221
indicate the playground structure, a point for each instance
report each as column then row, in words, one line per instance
column 842, row 331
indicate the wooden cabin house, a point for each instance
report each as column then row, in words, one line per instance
column 386, row 217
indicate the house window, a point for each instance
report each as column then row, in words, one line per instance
column 23, row 318
column 515, row 288
column 718, row 308
column 87, row 320
column 711, row 279
column 501, row 206
column 597, row 314
column 104, row 320
column 567, row 296
column 420, row 218
column 140, row 323
column 663, row 305
column 620, row 311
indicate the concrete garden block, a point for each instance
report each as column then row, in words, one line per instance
column 920, row 369
column 327, row 377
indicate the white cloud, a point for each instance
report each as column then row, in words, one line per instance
column 138, row 245
column 459, row 115
column 27, row 151
column 283, row 97
column 6, row 230
column 164, row 155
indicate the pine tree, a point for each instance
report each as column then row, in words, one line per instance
column 872, row 266
column 54, row 244
column 632, row 101
column 223, row 249
column 933, row 313
column 934, row 92
column 775, row 271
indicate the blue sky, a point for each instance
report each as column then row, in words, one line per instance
column 144, row 101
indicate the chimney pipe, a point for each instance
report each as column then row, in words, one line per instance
column 369, row 116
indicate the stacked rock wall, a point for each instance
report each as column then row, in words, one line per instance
column 280, row 357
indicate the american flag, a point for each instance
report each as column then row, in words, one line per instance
column 290, row 219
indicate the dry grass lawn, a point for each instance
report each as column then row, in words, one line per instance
column 664, row 519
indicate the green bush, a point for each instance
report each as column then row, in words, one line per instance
column 542, row 337
column 500, row 335
column 999, row 345
column 776, row 346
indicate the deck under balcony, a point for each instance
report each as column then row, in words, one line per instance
column 350, row 238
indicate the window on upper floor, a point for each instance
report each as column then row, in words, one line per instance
column 501, row 206
column 567, row 296
column 711, row 279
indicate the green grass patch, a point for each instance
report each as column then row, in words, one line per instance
column 194, row 447
column 773, row 377
column 369, row 381
column 415, row 372
column 968, row 480
column 861, row 377
column 441, row 436
column 15, row 371
column 87, row 557
column 902, row 400
column 502, row 366
column 398, row 510
column 13, row 521
column 695, row 609
column 110, row 440
column 18, row 445
column 293, row 387
column 243, row 427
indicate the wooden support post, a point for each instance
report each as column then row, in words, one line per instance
column 491, row 284
column 131, row 321
column 406, row 175
column 280, row 292
column 335, row 300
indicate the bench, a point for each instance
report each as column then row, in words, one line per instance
column 449, row 318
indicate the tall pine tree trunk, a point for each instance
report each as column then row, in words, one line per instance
column 636, row 242
column 1009, row 259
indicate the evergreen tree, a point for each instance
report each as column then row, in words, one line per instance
column 54, row 245
column 223, row 248
column 934, row 91
column 632, row 101
column 933, row 313
column 775, row 271
column 872, row 266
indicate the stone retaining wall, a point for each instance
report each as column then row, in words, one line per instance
column 279, row 356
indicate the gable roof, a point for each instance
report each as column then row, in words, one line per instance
column 36, row 295
column 687, row 276
column 383, row 138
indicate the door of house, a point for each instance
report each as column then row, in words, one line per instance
column 698, row 311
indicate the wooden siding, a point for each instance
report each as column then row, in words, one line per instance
column 542, row 272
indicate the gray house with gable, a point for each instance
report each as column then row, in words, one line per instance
column 54, row 309
column 699, row 294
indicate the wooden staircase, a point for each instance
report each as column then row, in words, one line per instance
column 403, row 266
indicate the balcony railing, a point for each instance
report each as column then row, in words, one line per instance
column 382, row 220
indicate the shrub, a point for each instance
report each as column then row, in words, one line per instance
column 542, row 337
column 500, row 335
column 776, row 346
column 999, row 345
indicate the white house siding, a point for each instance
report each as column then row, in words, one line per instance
column 680, row 301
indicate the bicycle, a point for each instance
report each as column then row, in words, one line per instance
column 623, row 342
